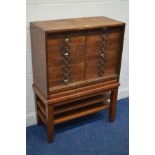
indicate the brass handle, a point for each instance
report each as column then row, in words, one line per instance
column 101, row 68
column 101, row 62
column 66, row 81
column 104, row 43
column 66, row 49
column 66, row 74
column 102, row 55
column 102, row 50
column 66, row 69
column 101, row 65
column 66, row 54
column 66, row 60
column 67, row 40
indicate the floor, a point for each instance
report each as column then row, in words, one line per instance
column 91, row 135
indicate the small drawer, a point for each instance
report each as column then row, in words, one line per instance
column 60, row 62
column 57, row 52
column 74, row 37
column 56, row 76
column 98, row 38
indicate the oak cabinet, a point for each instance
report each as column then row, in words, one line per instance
column 76, row 68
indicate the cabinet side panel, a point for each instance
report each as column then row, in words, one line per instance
column 121, row 48
column 39, row 59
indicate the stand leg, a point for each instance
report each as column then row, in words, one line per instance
column 113, row 102
column 50, row 125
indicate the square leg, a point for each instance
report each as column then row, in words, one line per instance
column 50, row 125
column 45, row 116
column 113, row 102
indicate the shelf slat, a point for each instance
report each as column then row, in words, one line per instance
column 80, row 113
column 78, row 105
column 106, row 96
column 41, row 107
column 42, row 116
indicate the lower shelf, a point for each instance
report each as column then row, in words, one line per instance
column 80, row 112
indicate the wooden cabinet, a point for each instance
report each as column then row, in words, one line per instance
column 76, row 68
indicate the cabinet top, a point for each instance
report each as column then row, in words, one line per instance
column 75, row 24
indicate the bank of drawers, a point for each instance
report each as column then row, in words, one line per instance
column 75, row 56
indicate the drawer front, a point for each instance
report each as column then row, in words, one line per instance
column 75, row 37
column 56, row 55
column 57, row 75
column 103, row 52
